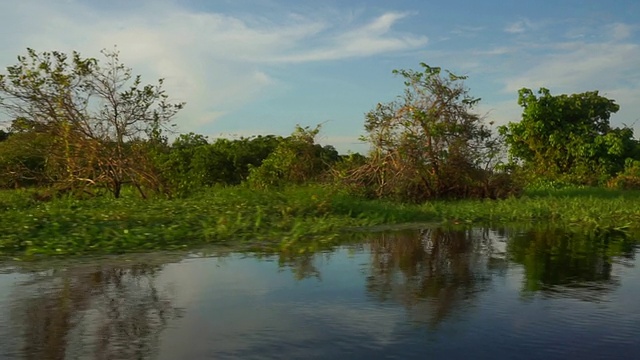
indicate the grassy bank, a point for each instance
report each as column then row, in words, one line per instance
column 312, row 215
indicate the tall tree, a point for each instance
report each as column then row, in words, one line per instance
column 99, row 117
column 568, row 136
column 427, row 144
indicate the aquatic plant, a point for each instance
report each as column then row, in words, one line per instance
column 313, row 215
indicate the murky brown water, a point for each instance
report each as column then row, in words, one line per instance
column 432, row 293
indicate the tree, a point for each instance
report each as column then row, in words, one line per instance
column 233, row 159
column 427, row 144
column 99, row 117
column 568, row 136
column 177, row 161
column 296, row 160
column 192, row 162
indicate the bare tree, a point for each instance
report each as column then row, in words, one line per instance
column 99, row 117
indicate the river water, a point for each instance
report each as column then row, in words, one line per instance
column 410, row 294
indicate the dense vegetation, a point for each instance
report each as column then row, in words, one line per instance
column 87, row 165
column 569, row 137
column 279, row 219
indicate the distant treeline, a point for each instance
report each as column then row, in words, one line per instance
column 88, row 129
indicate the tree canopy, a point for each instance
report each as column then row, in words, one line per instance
column 297, row 159
column 191, row 162
column 568, row 136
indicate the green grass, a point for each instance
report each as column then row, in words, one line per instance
column 591, row 207
column 296, row 219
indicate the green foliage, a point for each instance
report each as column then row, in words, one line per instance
column 242, row 155
column 346, row 164
column 177, row 162
column 544, row 184
column 568, row 207
column 568, row 137
column 97, row 117
column 428, row 144
column 292, row 218
column 23, row 160
column 192, row 162
column 629, row 179
column 220, row 215
column 296, row 160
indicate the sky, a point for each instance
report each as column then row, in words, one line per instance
column 262, row 66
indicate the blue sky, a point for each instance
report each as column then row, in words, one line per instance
column 262, row 66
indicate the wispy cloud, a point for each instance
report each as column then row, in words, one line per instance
column 620, row 31
column 609, row 64
column 369, row 39
column 216, row 62
column 519, row 26
column 585, row 65
column 467, row 31
column 496, row 51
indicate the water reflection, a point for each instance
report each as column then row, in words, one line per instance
column 433, row 272
column 557, row 262
column 100, row 312
column 494, row 289
column 436, row 273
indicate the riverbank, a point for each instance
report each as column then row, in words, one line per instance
column 315, row 216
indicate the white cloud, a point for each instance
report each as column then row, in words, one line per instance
column 519, row 26
column 467, row 31
column 214, row 62
column 620, row 31
column 496, row 51
column 372, row 38
column 526, row 25
column 588, row 66
column 609, row 65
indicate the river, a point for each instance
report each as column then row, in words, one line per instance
column 409, row 294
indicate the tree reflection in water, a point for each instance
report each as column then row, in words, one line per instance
column 434, row 272
column 102, row 312
column 110, row 311
column 437, row 273
column 573, row 264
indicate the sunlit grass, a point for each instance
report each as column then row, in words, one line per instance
column 577, row 207
column 314, row 215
